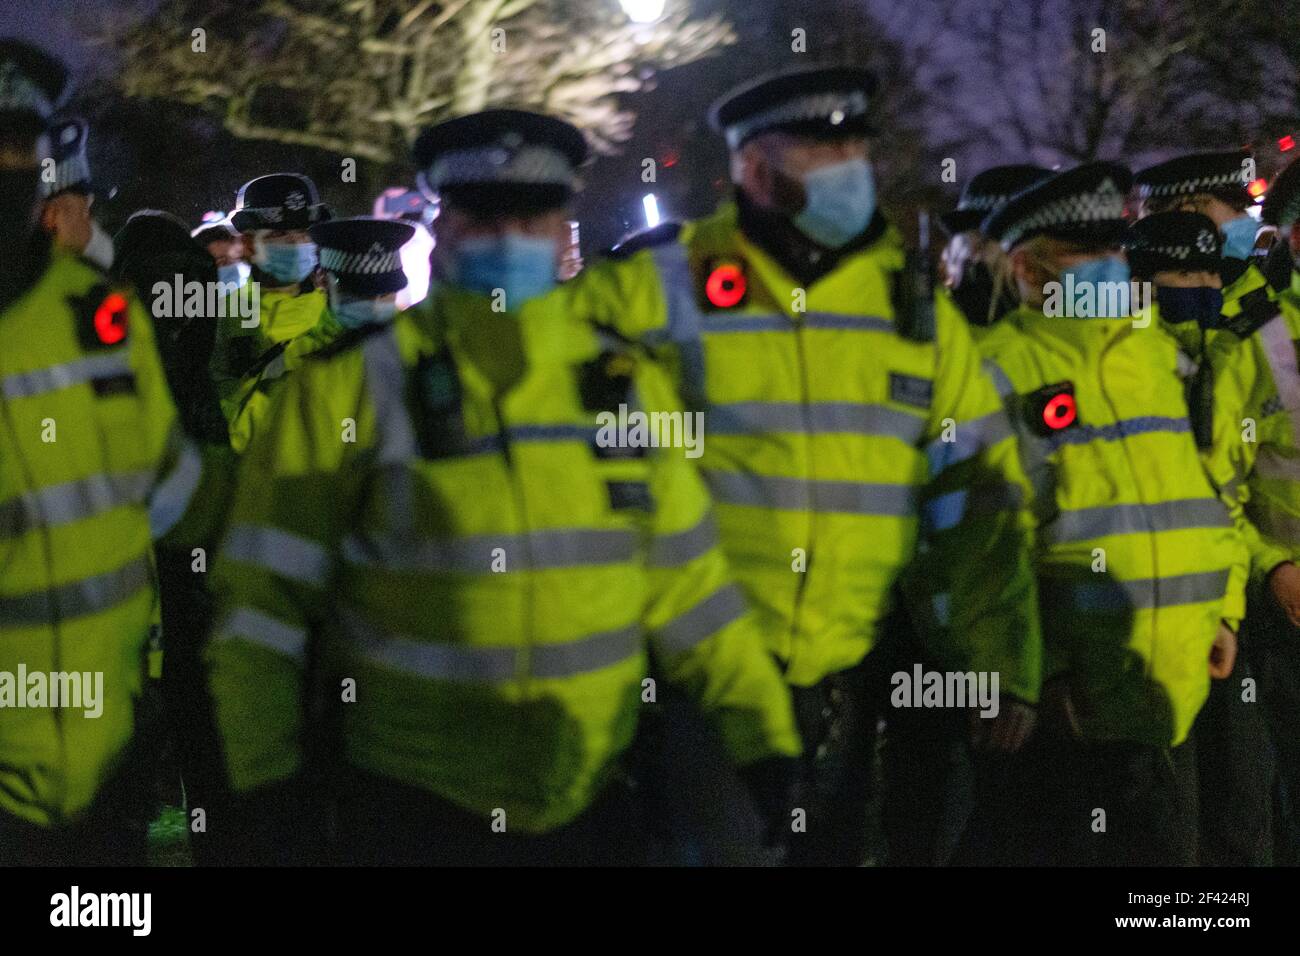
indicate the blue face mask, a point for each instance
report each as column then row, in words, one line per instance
column 354, row 313
column 1239, row 237
column 1201, row 305
column 233, row 273
column 523, row 267
column 287, row 262
column 1101, row 276
column 841, row 202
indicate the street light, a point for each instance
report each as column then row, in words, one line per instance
column 643, row 11
column 651, row 205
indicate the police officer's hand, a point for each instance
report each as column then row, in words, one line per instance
column 1008, row 731
column 1284, row 582
column 1223, row 655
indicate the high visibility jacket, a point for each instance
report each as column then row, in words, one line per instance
column 1254, row 456
column 281, row 316
column 90, row 453
column 487, row 573
column 828, row 434
column 253, row 394
column 1137, row 558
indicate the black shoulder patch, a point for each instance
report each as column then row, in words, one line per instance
column 347, row 340
column 1256, row 310
column 605, row 382
column 660, row 235
column 102, row 318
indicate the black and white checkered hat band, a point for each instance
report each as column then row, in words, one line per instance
column 68, row 173
column 985, row 203
column 1101, row 205
column 371, row 262
column 534, row 165
column 832, row 107
column 20, row 94
column 1186, row 187
column 1206, row 245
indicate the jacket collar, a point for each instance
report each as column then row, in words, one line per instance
column 798, row 255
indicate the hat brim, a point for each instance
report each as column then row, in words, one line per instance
column 370, row 285
column 250, row 220
column 960, row 220
column 1143, row 265
column 1108, row 232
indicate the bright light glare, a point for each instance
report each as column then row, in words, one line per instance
column 651, row 210
column 643, row 11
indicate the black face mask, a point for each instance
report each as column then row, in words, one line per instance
column 1200, row 305
column 974, row 295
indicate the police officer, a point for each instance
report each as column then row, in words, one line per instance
column 66, row 186
column 226, row 248
column 361, row 260
column 1214, row 185
column 432, row 518
column 1179, row 254
column 1256, row 385
column 272, row 213
column 90, row 460
column 826, row 382
column 1140, row 569
column 970, row 260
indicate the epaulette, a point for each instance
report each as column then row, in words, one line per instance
column 660, row 235
column 347, row 340
column 912, row 296
column 1256, row 309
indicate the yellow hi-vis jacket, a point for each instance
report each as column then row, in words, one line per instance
column 90, row 457
column 1254, row 455
column 280, row 316
column 829, row 435
column 1137, row 558
column 253, row 394
column 488, row 572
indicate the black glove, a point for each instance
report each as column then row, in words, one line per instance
column 773, row 785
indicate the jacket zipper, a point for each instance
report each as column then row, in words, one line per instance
column 1137, row 484
column 805, row 410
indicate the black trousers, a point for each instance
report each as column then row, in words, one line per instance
column 114, row 832
column 838, row 720
column 381, row 822
column 1078, row 803
column 1236, row 771
column 1274, row 645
